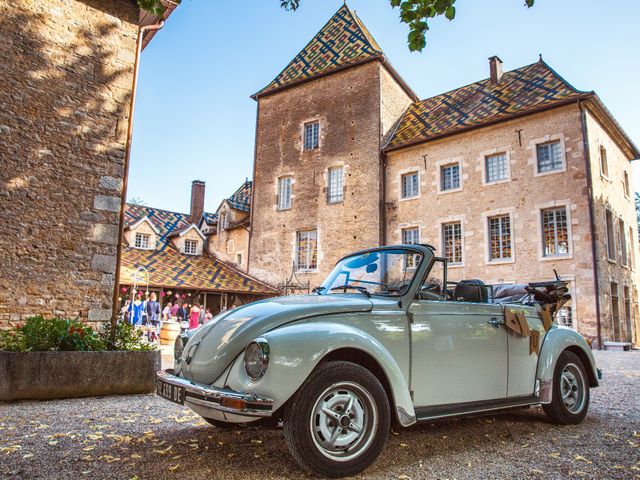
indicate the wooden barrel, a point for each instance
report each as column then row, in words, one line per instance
column 169, row 332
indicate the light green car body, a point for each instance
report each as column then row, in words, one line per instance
column 435, row 358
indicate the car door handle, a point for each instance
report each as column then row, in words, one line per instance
column 494, row 322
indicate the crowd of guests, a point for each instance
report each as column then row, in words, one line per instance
column 149, row 312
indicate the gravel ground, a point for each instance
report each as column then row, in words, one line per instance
column 141, row 436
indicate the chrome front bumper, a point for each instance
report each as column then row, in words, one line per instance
column 221, row 399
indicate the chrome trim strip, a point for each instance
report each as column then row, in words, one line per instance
column 473, row 412
column 212, row 397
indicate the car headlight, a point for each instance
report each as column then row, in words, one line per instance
column 256, row 359
column 178, row 346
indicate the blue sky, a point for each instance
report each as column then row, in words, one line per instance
column 194, row 118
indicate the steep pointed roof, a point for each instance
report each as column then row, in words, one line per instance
column 524, row 90
column 342, row 42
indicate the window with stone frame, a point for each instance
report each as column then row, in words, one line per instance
column 410, row 185
column 549, row 156
column 615, row 311
column 631, row 249
column 284, row 193
column 496, row 168
column 611, row 236
column 604, row 164
column 625, row 184
column 500, row 237
column 450, row 177
column 142, row 241
column 223, row 221
column 307, row 250
column 311, row 135
column 239, row 258
column 191, row 247
column 555, row 231
column 411, row 236
column 622, row 237
column 335, row 187
column 452, row 242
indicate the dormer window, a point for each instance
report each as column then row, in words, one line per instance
column 191, row 247
column 142, row 241
column 223, row 222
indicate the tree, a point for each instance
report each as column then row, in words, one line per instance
column 137, row 201
column 415, row 13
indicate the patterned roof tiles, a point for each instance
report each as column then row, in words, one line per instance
column 525, row 89
column 241, row 199
column 166, row 222
column 171, row 269
column 344, row 40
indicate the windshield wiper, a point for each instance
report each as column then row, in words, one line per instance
column 318, row 290
column 354, row 287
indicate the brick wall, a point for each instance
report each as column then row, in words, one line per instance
column 66, row 82
column 522, row 197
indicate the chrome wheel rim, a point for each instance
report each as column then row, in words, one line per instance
column 343, row 422
column 572, row 388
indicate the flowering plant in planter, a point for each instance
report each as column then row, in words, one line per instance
column 38, row 334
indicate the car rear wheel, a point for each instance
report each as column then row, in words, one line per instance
column 570, row 397
column 338, row 421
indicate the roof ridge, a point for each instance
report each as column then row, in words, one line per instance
column 321, row 57
column 157, row 209
column 567, row 83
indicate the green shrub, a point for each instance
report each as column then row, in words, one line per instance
column 125, row 337
column 38, row 334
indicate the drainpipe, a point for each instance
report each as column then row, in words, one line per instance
column 596, row 279
column 136, row 67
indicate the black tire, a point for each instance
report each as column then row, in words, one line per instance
column 366, row 408
column 563, row 412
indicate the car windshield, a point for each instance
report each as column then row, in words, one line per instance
column 380, row 272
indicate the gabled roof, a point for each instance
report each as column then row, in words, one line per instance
column 184, row 231
column 172, row 269
column 209, row 218
column 142, row 220
column 241, row 199
column 527, row 89
column 343, row 41
column 165, row 222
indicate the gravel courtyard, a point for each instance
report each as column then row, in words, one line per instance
column 144, row 437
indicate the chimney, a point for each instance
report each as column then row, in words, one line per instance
column 495, row 68
column 197, row 201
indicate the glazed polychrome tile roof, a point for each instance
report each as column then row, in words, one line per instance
column 169, row 268
column 166, row 222
column 241, row 199
column 523, row 90
column 344, row 40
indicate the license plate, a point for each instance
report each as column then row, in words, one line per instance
column 170, row 392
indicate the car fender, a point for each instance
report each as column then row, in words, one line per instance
column 295, row 350
column 557, row 340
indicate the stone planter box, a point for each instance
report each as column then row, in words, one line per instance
column 46, row 375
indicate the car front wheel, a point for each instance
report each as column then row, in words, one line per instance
column 338, row 421
column 570, row 397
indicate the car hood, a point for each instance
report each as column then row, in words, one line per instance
column 215, row 345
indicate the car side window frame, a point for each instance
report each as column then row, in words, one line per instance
column 443, row 287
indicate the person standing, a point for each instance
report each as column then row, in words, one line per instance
column 166, row 312
column 194, row 317
column 208, row 316
column 136, row 310
column 153, row 314
column 181, row 313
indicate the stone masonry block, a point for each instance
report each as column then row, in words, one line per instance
column 104, row 263
column 103, row 202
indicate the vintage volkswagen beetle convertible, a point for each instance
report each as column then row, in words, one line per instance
column 385, row 338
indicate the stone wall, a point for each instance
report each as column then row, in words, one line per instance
column 348, row 108
column 609, row 194
column 522, row 197
column 231, row 246
column 66, row 82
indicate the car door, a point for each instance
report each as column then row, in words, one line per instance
column 458, row 352
column 522, row 362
